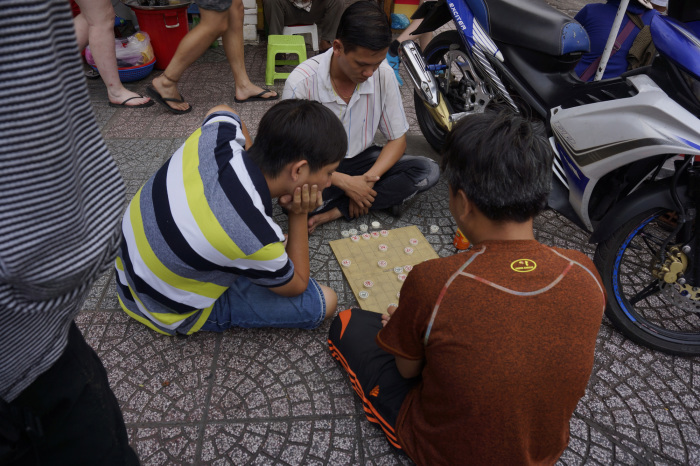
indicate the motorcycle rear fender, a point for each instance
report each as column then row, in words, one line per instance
column 656, row 195
column 434, row 14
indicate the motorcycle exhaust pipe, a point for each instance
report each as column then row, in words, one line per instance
column 423, row 81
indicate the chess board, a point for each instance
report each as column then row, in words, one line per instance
column 364, row 256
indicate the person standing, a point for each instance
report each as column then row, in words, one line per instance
column 324, row 13
column 95, row 25
column 217, row 18
column 61, row 198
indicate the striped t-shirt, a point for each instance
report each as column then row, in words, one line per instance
column 61, row 195
column 200, row 222
column 375, row 104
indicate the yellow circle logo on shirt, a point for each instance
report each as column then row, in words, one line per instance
column 523, row 265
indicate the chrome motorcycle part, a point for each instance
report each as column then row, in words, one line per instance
column 476, row 94
column 423, row 80
column 493, row 78
column 673, row 267
column 462, row 88
column 441, row 115
column 652, row 303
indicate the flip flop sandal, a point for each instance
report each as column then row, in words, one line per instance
column 123, row 104
column 258, row 97
column 150, row 90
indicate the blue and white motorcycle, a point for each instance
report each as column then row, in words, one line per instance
column 625, row 148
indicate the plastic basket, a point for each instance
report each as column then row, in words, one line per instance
column 134, row 73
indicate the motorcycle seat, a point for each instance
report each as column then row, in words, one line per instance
column 539, row 26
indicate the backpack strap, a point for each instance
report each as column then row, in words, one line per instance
column 643, row 50
column 621, row 38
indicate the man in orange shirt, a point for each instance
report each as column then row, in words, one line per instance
column 490, row 350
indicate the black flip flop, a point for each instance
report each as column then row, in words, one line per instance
column 123, row 104
column 258, row 97
column 150, row 90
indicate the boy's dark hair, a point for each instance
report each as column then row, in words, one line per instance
column 294, row 130
column 503, row 164
column 364, row 24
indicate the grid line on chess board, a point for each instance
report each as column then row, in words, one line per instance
column 364, row 256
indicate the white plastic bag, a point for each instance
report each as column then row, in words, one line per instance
column 133, row 51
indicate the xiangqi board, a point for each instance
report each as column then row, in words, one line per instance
column 372, row 265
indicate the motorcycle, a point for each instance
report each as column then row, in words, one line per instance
column 625, row 167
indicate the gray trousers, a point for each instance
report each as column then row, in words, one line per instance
column 324, row 13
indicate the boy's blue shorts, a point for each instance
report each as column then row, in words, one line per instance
column 248, row 305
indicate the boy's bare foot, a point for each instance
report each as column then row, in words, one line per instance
column 320, row 219
column 250, row 91
column 168, row 90
column 124, row 97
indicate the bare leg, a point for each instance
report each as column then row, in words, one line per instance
column 97, row 20
column 331, row 301
column 320, row 219
column 192, row 46
column 233, row 46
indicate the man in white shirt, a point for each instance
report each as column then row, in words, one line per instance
column 355, row 82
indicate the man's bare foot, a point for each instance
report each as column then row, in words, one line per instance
column 250, row 91
column 324, row 45
column 123, row 95
column 320, row 219
column 168, row 90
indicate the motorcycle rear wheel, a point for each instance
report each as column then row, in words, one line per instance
column 645, row 309
column 434, row 54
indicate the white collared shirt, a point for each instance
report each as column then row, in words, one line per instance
column 375, row 104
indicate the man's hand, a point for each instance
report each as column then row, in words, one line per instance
column 359, row 189
column 304, row 200
column 386, row 317
column 355, row 210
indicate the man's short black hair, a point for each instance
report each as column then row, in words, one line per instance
column 294, row 130
column 502, row 162
column 364, row 24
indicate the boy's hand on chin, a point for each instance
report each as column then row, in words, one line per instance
column 304, row 199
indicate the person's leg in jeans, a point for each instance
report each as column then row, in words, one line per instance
column 248, row 305
column 80, row 416
column 372, row 371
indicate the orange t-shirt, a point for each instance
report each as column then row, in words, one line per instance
column 507, row 357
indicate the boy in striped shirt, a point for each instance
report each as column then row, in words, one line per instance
column 201, row 250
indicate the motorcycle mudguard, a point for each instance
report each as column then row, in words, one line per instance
column 656, row 195
column 558, row 200
column 435, row 15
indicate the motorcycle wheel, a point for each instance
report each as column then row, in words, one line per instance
column 649, row 311
column 435, row 53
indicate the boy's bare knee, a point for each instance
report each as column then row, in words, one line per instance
column 331, row 301
column 221, row 108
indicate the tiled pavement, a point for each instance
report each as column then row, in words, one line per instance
column 276, row 396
